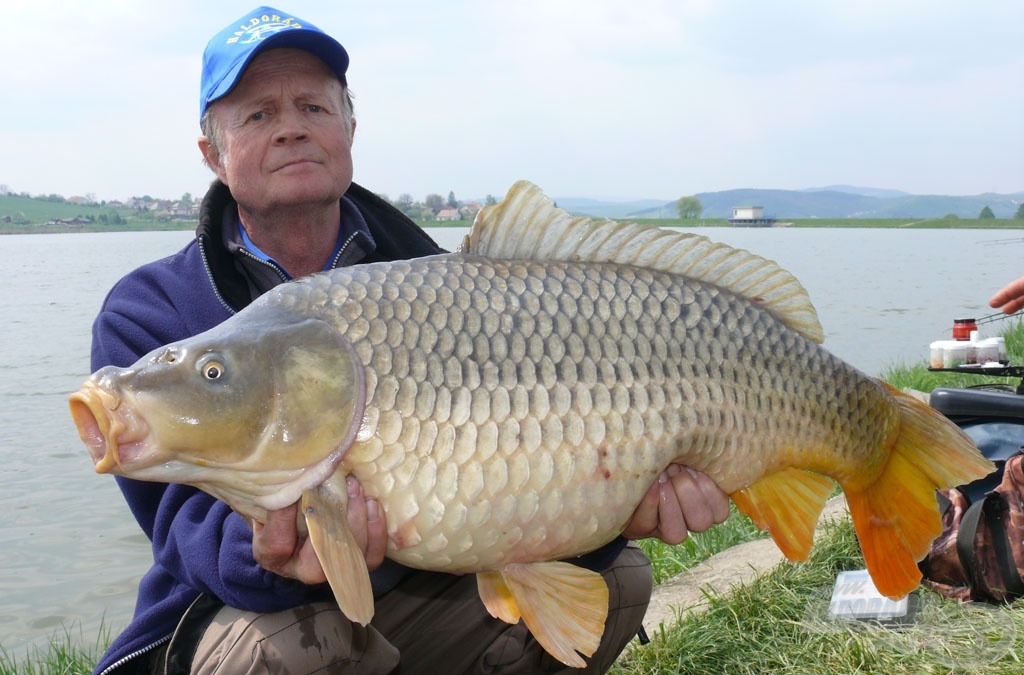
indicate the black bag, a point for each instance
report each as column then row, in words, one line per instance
column 980, row 553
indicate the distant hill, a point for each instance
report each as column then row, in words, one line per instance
column 853, row 190
column 836, row 201
column 603, row 209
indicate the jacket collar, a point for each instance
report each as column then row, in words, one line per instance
column 395, row 235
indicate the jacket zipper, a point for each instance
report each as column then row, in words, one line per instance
column 209, row 277
column 125, row 659
column 341, row 249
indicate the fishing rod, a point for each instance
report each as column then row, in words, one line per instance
column 1015, row 240
column 998, row 316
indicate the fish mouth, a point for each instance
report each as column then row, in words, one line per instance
column 112, row 438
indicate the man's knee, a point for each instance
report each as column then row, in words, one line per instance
column 630, row 584
column 629, row 592
column 309, row 638
column 306, row 639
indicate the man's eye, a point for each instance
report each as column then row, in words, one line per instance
column 256, row 117
column 312, row 107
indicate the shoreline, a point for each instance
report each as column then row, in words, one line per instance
column 846, row 223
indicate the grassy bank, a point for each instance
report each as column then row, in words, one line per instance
column 778, row 622
column 67, row 653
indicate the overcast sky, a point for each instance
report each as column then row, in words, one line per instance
column 587, row 98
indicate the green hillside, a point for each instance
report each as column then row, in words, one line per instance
column 21, row 214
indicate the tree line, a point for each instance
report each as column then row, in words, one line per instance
column 690, row 207
column 434, row 204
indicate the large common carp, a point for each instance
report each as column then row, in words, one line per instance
column 510, row 404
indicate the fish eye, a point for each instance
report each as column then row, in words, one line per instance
column 213, row 370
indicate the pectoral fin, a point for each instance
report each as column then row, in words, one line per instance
column 787, row 503
column 563, row 605
column 325, row 510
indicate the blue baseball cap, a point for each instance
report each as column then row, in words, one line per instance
column 230, row 51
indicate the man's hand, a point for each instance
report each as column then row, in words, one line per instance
column 279, row 546
column 1010, row 297
column 680, row 501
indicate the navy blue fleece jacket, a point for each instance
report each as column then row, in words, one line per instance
column 199, row 544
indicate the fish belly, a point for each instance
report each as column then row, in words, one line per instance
column 518, row 411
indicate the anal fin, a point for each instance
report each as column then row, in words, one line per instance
column 497, row 597
column 325, row 509
column 787, row 503
column 563, row 605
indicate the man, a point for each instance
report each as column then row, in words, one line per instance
column 225, row 595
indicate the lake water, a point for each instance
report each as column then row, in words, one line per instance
column 70, row 552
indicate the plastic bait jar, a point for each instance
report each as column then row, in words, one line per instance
column 955, row 354
column 988, row 351
column 1000, row 348
column 962, row 328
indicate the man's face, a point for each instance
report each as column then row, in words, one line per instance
column 283, row 140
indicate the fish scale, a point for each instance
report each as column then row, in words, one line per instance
column 641, row 377
column 509, row 405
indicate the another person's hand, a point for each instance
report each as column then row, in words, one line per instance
column 278, row 545
column 680, row 501
column 1010, row 297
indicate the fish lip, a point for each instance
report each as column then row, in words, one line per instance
column 89, row 410
column 112, row 435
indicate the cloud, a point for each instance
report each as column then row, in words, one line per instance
column 653, row 98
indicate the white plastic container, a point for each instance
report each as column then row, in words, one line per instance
column 987, row 351
column 1000, row 348
column 955, row 354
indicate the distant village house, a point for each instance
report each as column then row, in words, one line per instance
column 77, row 221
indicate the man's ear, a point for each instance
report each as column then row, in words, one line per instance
column 212, row 157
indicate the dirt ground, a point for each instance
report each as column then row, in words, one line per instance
column 685, row 593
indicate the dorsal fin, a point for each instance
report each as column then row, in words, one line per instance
column 527, row 225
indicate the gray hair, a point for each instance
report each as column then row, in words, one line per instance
column 211, row 129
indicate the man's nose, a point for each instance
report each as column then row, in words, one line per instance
column 291, row 127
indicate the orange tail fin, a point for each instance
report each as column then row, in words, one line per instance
column 897, row 516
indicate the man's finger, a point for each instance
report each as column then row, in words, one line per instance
column 716, row 499
column 645, row 517
column 376, row 534
column 1010, row 297
column 672, row 524
column 356, row 512
column 692, row 501
column 273, row 542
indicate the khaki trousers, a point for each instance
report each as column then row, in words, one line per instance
column 430, row 623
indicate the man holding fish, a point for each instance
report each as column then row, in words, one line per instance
column 229, row 595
